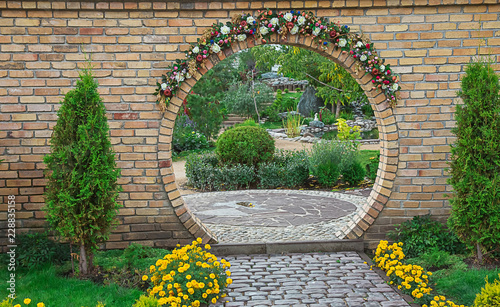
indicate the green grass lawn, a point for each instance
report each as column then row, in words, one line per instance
column 272, row 125
column 48, row 285
column 44, row 285
column 462, row 286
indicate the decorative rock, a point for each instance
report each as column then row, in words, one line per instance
column 309, row 103
column 316, row 124
column 269, row 75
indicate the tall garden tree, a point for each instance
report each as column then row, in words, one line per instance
column 475, row 167
column 82, row 189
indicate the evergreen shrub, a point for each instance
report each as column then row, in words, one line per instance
column 205, row 173
column 353, row 172
column 245, row 145
column 288, row 169
column 82, row 191
column 329, row 159
column 422, row 234
column 475, row 166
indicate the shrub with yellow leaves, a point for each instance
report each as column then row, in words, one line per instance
column 190, row 276
column 409, row 278
column 489, row 295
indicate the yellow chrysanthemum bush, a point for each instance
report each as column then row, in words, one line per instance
column 190, row 276
column 409, row 278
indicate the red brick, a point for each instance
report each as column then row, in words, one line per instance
column 91, row 31
column 126, row 116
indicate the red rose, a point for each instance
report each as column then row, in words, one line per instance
column 367, row 46
column 243, row 23
column 375, row 71
column 199, row 58
column 333, row 33
column 289, row 25
column 167, row 92
column 388, row 72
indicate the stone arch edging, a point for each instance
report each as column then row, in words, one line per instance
column 384, row 114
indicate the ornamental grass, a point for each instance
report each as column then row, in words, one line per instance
column 409, row 278
column 190, row 276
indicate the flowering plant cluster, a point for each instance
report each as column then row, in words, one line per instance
column 190, row 276
column 27, row 301
column 409, row 278
column 8, row 302
column 324, row 33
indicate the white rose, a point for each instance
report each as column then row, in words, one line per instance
column 179, row 77
column 242, row 37
column 384, row 86
column 188, row 75
column 382, row 68
column 288, row 16
column 395, row 87
column 316, row 31
column 294, row 30
column 342, row 42
column 250, row 20
column 163, row 86
column 196, row 49
column 264, row 30
column 225, row 30
column 301, row 20
column 359, row 44
column 274, row 21
column 363, row 57
column 215, row 48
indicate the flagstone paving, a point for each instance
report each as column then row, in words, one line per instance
column 313, row 279
column 249, row 216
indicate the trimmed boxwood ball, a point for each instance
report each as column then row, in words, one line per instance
column 245, row 145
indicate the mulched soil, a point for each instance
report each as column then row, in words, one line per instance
column 488, row 263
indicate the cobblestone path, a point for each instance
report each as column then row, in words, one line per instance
column 248, row 216
column 314, row 279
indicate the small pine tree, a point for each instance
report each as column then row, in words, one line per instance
column 475, row 166
column 82, row 189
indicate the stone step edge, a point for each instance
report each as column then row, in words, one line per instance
column 226, row 249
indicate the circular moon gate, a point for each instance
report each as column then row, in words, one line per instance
column 385, row 118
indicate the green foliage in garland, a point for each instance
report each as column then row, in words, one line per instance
column 82, row 192
column 475, row 166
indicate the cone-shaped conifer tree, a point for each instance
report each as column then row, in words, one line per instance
column 82, row 189
column 475, row 169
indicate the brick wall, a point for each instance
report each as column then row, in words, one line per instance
column 428, row 42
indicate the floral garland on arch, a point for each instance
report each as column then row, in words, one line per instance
column 324, row 33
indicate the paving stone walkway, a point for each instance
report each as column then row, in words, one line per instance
column 249, row 216
column 314, row 279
